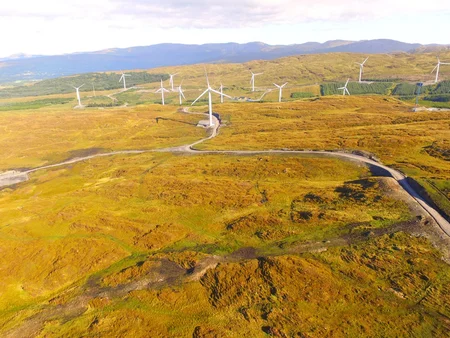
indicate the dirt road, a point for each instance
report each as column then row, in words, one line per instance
column 14, row 177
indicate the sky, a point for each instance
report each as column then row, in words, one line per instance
column 49, row 27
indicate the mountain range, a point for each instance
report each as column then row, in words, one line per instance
column 22, row 67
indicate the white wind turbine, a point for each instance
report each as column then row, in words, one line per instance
column 361, row 69
column 122, row 78
column 209, row 90
column 171, row 80
column 181, row 94
column 281, row 90
column 345, row 88
column 265, row 93
column 162, row 90
column 437, row 68
column 221, row 93
column 78, row 94
column 252, row 81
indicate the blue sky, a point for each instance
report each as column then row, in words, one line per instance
column 57, row 27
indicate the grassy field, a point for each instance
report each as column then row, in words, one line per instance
column 299, row 71
column 176, row 208
column 39, row 137
column 296, row 245
column 383, row 126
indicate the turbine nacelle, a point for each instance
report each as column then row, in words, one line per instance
column 209, row 91
column 162, row 90
column 345, row 90
column 252, row 81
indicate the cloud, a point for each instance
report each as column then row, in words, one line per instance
column 55, row 26
column 208, row 14
column 254, row 13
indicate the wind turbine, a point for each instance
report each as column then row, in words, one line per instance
column 361, row 69
column 437, row 68
column 124, row 82
column 180, row 92
column 93, row 89
column 281, row 90
column 209, row 90
column 345, row 88
column 78, row 93
column 265, row 93
column 252, row 81
column 221, row 92
column 171, row 80
column 162, row 90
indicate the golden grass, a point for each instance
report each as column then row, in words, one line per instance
column 312, row 69
column 56, row 230
column 45, row 136
column 113, row 221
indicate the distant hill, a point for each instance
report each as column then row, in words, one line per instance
column 25, row 68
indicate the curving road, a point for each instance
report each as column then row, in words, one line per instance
column 14, row 177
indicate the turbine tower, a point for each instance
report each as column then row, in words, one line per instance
column 162, row 90
column 122, row 78
column 181, row 94
column 252, row 81
column 361, row 69
column 281, row 90
column 209, row 90
column 78, row 93
column 221, row 92
column 171, row 80
column 345, row 90
column 437, row 68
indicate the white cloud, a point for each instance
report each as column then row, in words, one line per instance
column 55, row 26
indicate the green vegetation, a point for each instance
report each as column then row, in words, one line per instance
column 301, row 95
column 63, row 85
column 405, row 89
column 9, row 106
column 438, row 98
column 356, row 88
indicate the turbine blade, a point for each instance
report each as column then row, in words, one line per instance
column 365, row 61
column 207, row 79
column 347, row 91
column 434, row 69
column 182, row 94
column 284, row 85
column 215, row 91
column 198, row 98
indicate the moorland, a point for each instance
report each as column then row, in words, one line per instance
column 203, row 245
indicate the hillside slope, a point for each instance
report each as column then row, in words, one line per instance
column 44, row 67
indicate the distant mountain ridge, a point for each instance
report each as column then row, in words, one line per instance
column 24, row 67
